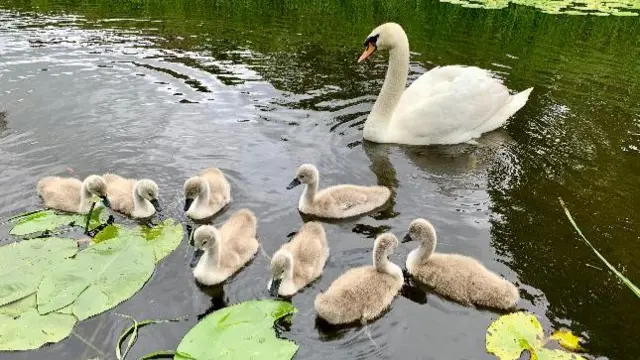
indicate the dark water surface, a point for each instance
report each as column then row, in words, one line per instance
column 162, row 89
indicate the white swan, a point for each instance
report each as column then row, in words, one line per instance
column 446, row 105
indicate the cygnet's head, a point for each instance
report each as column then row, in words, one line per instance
column 281, row 262
column 148, row 189
column 97, row 186
column 192, row 188
column 205, row 237
column 306, row 174
column 386, row 243
column 420, row 230
column 385, row 37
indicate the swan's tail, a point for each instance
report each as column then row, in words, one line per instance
column 515, row 103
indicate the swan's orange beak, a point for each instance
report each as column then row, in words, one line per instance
column 367, row 52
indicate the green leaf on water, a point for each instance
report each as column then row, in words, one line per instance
column 48, row 220
column 98, row 278
column 24, row 264
column 241, row 331
column 547, row 354
column 510, row 335
column 32, row 330
column 162, row 238
column 19, row 306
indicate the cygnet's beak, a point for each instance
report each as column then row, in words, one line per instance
column 105, row 201
column 370, row 49
column 275, row 286
column 156, row 205
column 406, row 238
column 187, row 203
column 294, row 183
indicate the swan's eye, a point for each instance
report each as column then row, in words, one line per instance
column 371, row 40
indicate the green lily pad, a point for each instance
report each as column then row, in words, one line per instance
column 98, row 278
column 25, row 263
column 37, row 222
column 32, row 330
column 547, row 354
column 510, row 334
column 242, row 331
column 162, row 238
column 18, row 307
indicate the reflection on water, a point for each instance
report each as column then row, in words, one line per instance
column 165, row 89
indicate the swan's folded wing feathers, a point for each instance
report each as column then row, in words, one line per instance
column 450, row 103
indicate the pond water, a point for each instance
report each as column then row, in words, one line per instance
column 163, row 89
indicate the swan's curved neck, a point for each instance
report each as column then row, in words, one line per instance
column 85, row 199
column 202, row 200
column 427, row 247
column 213, row 254
column 141, row 206
column 309, row 192
column 382, row 264
column 392, row 89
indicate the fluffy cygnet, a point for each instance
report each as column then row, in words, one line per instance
column 135, row 198
column 457, row 277
column 69, row 194
column 226, row 250
column 299, row 261
column 363, row 293
column 206, row 194
column 340, row 201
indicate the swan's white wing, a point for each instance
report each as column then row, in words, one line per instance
column 449, row 105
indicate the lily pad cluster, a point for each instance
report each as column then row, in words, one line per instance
column 47, row 284
column 567, row 7
column 511, row 334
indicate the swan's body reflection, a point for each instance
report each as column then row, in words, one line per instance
column 460, row 166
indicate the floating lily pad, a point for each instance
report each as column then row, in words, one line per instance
column 511, row 334
column 18, row 307
column 48, row 220
column 162, row 238
column 32, row 330
column 242, row 331
column 98, row 278
column 25, row 263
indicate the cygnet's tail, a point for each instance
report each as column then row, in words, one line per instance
column 515, row 103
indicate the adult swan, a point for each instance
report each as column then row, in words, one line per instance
column 446, row 105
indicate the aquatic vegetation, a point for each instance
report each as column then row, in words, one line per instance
column 48, row 220
column 567, row 7
column 113, row 268
column 238, row 330
column 510, row 335
column 624, row 279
